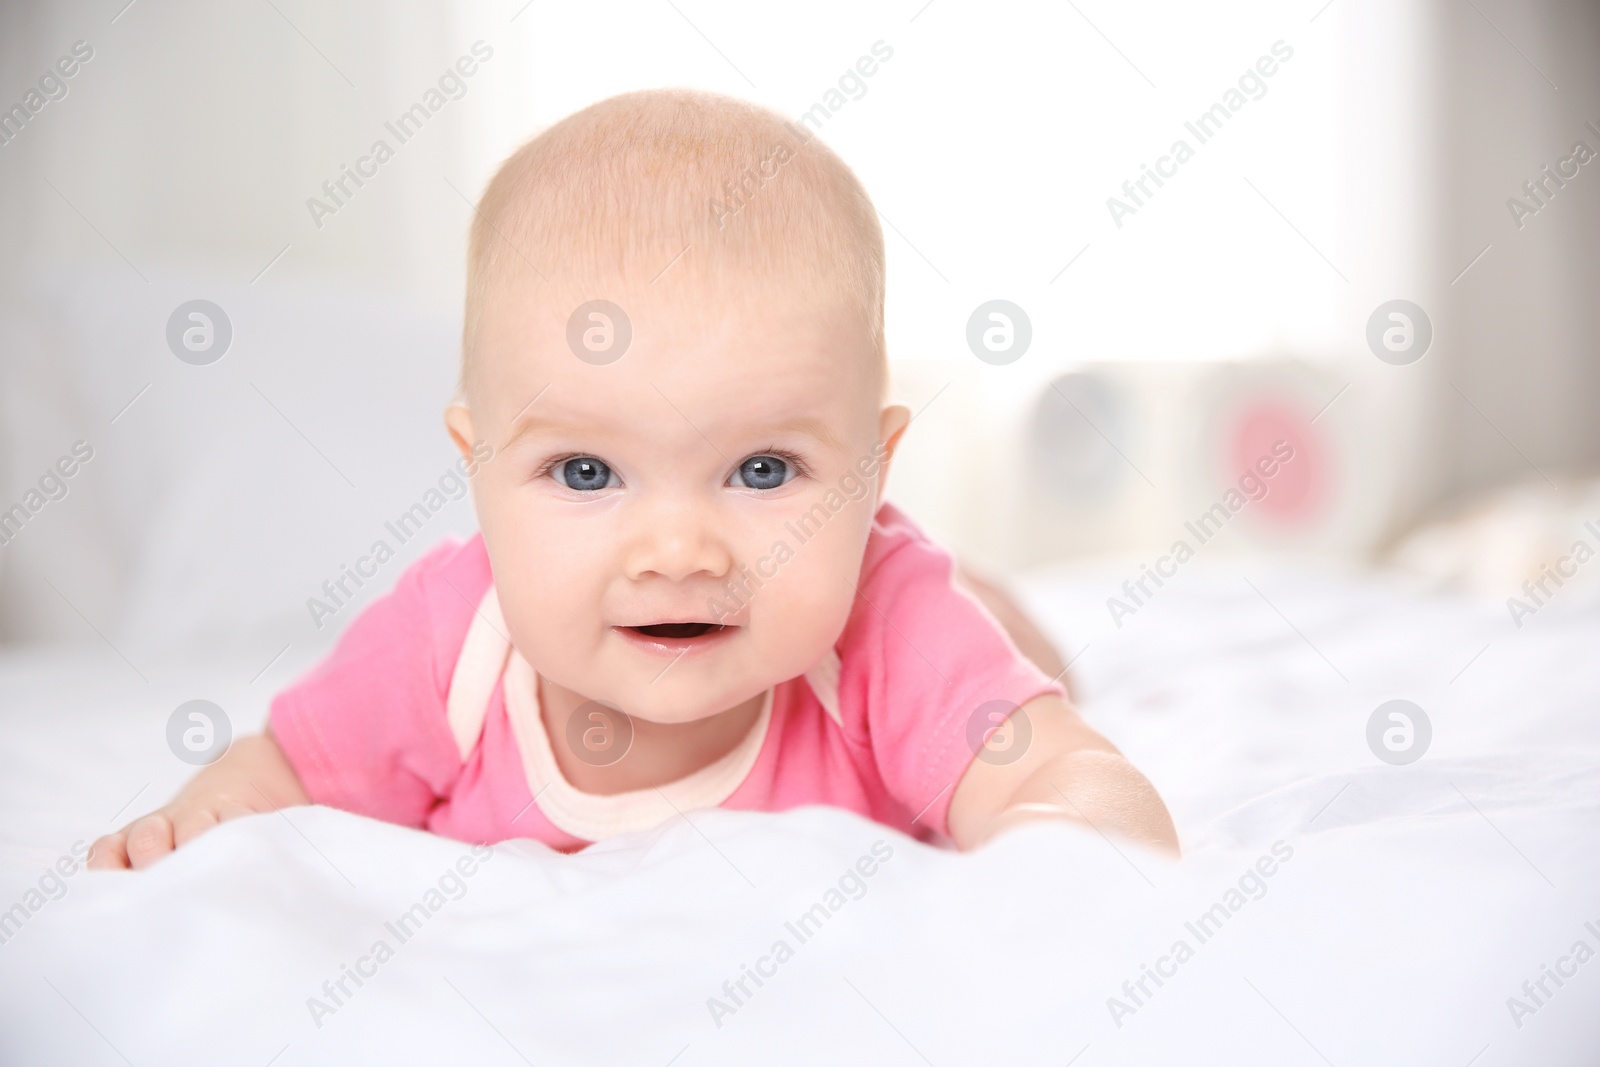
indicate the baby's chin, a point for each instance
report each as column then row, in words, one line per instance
column 684, row 704
column 649, row 696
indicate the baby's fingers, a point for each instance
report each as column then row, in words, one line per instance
column 233, row 809
column 109, row 853
column 190, row 821
column 149, row 839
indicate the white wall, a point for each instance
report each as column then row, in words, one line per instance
column 1523, row 346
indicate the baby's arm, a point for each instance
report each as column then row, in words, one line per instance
column 1068, row 772
column 252, row 777
column 1023, row 631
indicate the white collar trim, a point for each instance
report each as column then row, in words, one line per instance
column 595, row 817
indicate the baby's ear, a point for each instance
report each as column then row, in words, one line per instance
column 891, row 426
column 458, row 420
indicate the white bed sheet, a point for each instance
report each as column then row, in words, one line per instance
column 1417, row 899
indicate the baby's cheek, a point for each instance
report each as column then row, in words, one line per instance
column 814, row 590
column 537, row 547
column 546, row 594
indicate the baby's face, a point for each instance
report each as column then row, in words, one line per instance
column 679, row 530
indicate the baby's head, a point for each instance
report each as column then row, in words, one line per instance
column 674, row 345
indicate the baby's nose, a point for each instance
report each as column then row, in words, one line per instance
column 678, row 540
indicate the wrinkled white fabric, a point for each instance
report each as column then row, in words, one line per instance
column 1416, row 901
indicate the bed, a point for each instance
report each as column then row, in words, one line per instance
column 1333, row 907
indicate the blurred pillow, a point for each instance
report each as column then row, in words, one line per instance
column 217, row 497
column 1529, row 541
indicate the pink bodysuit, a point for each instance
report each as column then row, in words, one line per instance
column 424, row 715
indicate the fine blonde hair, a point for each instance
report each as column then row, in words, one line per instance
column 731, row 189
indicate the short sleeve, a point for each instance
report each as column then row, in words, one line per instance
column 366, row 730
column 929, row 663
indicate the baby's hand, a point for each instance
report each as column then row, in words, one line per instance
column 1064, row 771
column 252, row 777
column 152, row 836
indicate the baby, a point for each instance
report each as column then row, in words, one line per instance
column 688, row 590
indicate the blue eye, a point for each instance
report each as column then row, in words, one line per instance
column 585, row 473
column 762, row 472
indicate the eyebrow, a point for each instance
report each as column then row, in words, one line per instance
column 814, row 428
column 525, row 425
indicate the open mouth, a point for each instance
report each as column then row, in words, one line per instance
column 677, row 639
column 677, row 629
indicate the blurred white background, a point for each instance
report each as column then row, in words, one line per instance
column 1376, row 164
